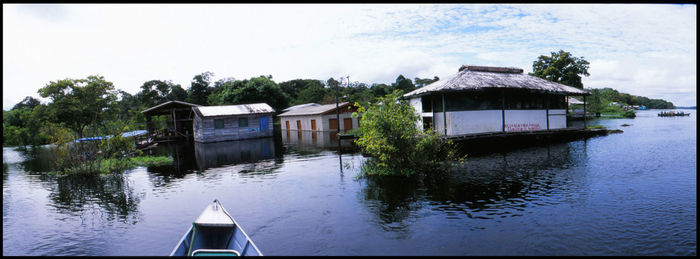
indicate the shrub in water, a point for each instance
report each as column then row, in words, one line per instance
column 390, row 136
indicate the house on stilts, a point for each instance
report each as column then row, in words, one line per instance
column 480, row 99
column 210, row 123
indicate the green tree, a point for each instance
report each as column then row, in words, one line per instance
column 561, row 67
column 27, row 102
column 396, row 146
column 155, row 92
column 200, row 89
column 403, row 84
column 420, row 82
column 258, row 90
column 596, row 104
column 311, row 93
column 78, row 103
column 177, row 93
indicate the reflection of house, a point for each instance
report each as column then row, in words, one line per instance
column 321, row 139
column 218, row 154
column 320, row 118
column 491, row 99
column 232, row 122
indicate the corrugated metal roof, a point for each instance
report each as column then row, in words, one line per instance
column 477, row 77
column 311, row 110
column 300, row 106
column 168, row 103
column 225, row 110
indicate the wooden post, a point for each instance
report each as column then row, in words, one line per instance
column 584, row 111
column 148, row 124
column 444, row 114
column 503, row 109
column 174, row 121
column 547, row 111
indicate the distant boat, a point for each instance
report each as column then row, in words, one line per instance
column 672, row 113
column 215, row 233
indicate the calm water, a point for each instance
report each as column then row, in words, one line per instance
column 632, row 193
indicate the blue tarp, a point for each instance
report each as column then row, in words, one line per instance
column 134, row 133
column 125, row 134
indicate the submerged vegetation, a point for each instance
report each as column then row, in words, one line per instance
column 396, row 146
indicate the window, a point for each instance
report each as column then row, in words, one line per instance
column 242, row 122
column 524, row 100
column 218, row 123
column 426, row 103
column 474, row 100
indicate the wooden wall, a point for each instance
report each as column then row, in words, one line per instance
column 204, row 130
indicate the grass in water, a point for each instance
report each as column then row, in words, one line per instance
column 596, row 127
column 111, row 165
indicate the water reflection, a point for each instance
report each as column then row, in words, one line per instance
column 394, row 201
column 218, row 154
column 487, row 187
column 74, row 194
column 313, row 142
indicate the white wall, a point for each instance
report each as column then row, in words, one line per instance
column 466, row 122
column 418, row 107
column 557, row 119
column 305, row 122
column 480, row 121
column 322, row 121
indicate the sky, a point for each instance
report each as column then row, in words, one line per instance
column 641, row 49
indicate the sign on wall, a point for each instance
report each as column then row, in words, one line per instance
column 522, row 126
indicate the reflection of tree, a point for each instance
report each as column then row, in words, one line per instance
column 495, row 185
column 184, row 163
column 392, row 200
column 38, row 159
column 112, row 193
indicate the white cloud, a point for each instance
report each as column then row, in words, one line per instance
column 640, row 49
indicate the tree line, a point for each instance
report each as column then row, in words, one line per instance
column 94, row 107
column 602, row 97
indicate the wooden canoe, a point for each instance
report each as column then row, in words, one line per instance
column 215, row 233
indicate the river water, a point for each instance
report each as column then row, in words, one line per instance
column 632, row 193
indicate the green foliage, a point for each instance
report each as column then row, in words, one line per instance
column 396, row 146
column 403, row 84
column 256, row 90
column 311, row 93
column 27, row 102
column 155, row 92
column 77, row 103
column 596, row 127
column 608, row 95
column 420, row 82
column 22, row 125
column 561, row 67
column 116, row 165
column 200, row 88
column 629, row 114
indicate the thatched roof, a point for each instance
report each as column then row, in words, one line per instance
column 480, row 77
column 230, row 110
column 313, row 110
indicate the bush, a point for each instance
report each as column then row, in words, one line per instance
column 390, row 137
column 629, row 114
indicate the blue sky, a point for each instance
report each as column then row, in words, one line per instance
column 647, row 50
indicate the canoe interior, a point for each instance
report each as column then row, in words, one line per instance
column 215, row 238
